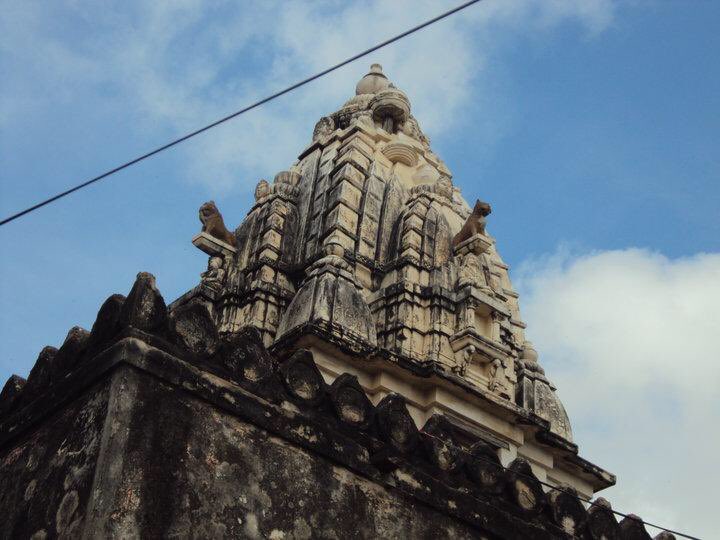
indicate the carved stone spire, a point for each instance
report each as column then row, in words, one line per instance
column 365, row 253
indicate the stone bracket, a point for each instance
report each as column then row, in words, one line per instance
column 477, row 244
column 212, row 246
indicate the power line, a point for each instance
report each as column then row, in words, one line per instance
column 266, row 100
column 238, row 113
column 556, row 488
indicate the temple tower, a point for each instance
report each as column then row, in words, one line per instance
column 366, row 254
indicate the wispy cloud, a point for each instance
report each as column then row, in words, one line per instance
column 629, row 337
column 177, row 65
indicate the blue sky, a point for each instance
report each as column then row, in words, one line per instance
column 591, row 127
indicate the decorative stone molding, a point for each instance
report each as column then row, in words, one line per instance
column 398, row 152
column 535, row 392
column 330, row 295
column 476, row 244
column 184, row 355
column 390, row 109
column 213, row 246
column 365, row 252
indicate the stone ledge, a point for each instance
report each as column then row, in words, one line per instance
column 237, row 375
column 305, row 428
column 305, row 424
column 213, row 246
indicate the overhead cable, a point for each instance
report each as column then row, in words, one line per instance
column 237, row 113
column 558, row 488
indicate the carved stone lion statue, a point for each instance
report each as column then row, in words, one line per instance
column 213, row 224
column 475, row 223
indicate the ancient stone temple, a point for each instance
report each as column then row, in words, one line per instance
column 352, row 364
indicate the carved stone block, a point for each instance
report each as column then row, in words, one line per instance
column 212, row 246
column 440, row 445
column 302, row 378
column 10, row 392
column 193, row 328
column 72, row 350
column 271, row 238
column 355, row 143
column 245, row 358
column 602, row 524
column 361, row 141
column 484, row 467
column 349, row 172
column 567, row 511
column 347, row 194
column 395, row 424
column 106, row 324
column 343, row 217
column 355, row 158
column 144, row 308
column 41, row 375
column 524, row 488
column 350, row 402
column 477, row 244
column 632, row 528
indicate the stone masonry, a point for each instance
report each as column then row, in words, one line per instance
column 352, row 364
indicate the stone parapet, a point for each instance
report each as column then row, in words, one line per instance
column 162, row 419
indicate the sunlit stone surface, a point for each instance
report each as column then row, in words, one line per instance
column 365, row 253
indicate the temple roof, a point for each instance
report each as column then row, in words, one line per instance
column 367, row 240
column 365, row 254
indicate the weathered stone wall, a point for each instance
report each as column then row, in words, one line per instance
column 193, row 470
column 154, row 426
column 46, row 475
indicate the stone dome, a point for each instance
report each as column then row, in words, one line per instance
column 372, row 83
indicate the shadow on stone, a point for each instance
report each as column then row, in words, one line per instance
column 302, row 378
column 144, row 308
column 523, row 487
column 192, row 328
column 106, row 325
column 350, row 402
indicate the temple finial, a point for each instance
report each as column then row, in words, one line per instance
column 374, row 82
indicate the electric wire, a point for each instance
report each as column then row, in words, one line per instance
column 557, row 488
column 266, row 100
column 238, row 113
column 588, row 501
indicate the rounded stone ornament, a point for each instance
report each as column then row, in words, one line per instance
column 350, row 402
column 302, row 378
column 602, row 524
column 440, row 445
column 484, row 467
column 105, row 326
column 395, row 424
column 632, row 528
column 144, row 308
column 192, row 328
column 288, row 177
column 244, row 356
column 390, row 104
column 567, row 511
column 399, row 152
column 524, row 488
column 262, row 190
column 372, row 83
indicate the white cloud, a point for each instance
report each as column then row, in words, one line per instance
column 630, row 339
column 178, row 65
